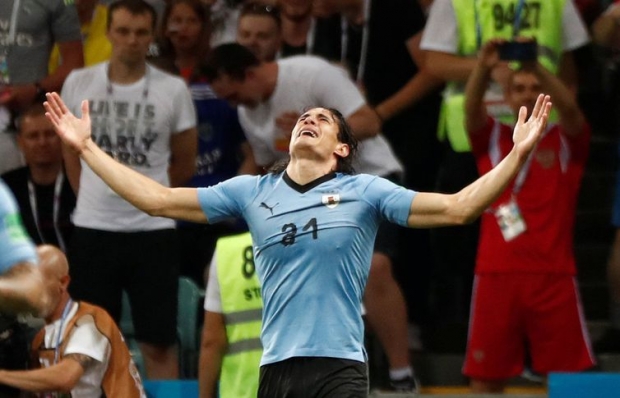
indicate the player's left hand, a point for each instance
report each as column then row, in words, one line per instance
column 526, row 134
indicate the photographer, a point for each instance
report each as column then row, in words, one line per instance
column 525, row 289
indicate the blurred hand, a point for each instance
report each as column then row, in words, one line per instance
column 286, row 122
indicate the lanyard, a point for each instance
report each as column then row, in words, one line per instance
column 495, row 156
column 310, row 36
column 32, row 196
column 344, row 42
column 516, row 23
column 142, row 110
column 65, row 312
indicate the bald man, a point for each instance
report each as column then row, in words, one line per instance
column 80, row 350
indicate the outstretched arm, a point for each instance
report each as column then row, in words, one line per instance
column 139, row 190
column 61, row 377
column 433, row 209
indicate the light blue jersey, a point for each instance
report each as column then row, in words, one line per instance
column 313, row 247
column 15, row 244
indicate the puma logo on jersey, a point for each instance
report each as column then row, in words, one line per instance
column 270, row 208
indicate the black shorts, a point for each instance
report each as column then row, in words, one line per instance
column 102, row 264
column 388, row 234
column 313, row 377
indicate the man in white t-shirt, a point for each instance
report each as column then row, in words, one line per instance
column 144, row 118
column 80, row 350
column 271, row 96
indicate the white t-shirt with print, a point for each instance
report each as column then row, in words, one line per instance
column 306, row 82
column 136, row 122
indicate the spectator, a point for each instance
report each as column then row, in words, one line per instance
column 224, row 17
column 313, row 224
column 80, row 351
column 145, row 118
column 606, row 33
column 454, row 33
column 525, row 290
column 44, row 195
column 231, row 348
column 300, row 30
column 29, row 34
column 184, row 38
column 260, row 29
column 271, row 95
column 223, row 151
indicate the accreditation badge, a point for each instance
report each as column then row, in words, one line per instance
column 510, row 220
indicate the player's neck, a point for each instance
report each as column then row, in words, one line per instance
column 125, row 73
column 44, row 174
column 304, row 171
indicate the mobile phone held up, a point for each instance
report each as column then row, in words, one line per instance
column 518, row 51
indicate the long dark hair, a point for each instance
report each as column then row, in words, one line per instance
column 344, row 165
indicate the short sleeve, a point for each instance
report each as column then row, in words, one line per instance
column 213, row 300
column 86, row 339
column 393, row 201
column 227, row 199
column 65, row 22
column 185, row 117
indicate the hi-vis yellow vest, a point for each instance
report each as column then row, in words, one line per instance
column 242, row 309
column 541, row 19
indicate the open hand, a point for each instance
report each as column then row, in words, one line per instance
column 286, row 122
column 74, row 132
column 526, row 134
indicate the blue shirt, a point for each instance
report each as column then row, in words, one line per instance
column 313, row 247
column 15, row 244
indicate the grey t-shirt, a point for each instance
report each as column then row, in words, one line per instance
column 37, row 25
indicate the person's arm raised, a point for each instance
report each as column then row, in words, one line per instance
column 434, row 210
column 139, row 190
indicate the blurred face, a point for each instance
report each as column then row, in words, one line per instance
column 130, row 36
column 317, row 129
column 261, row 34
column 238, row 92
column 295, row 9
column 523, row 90
column 184, row 27
column 38, row 141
